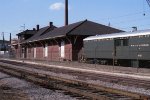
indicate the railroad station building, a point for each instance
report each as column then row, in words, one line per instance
column 58, row 44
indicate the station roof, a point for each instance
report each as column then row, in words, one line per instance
column 39, row 33
column 86, row 28
column 32, row 32
column 119, row 35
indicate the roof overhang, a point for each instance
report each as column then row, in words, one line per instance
column 60, row 36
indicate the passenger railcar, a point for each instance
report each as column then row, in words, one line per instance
column 122, row 49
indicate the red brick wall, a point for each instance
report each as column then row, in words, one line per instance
column 68, row 52
column 72, row 51
column 17, row 53
column 39, row 53
column 29, row 53
column 50, row 52
column 53, row 52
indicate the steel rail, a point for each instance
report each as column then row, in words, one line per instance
column 61, row 83
column 106, row 78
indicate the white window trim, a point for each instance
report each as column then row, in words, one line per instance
column 46, row 50
column 34, row 52
column 62, row 49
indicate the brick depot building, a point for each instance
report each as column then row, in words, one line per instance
column 55, row 44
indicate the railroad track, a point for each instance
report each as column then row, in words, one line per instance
column 125, row 81
column 80, row 88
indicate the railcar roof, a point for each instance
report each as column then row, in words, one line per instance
column 119, row 35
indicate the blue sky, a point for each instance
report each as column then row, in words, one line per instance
column 122, row 14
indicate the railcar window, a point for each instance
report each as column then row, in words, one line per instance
column 121, row 42
column 125, row 42
column 118, row 42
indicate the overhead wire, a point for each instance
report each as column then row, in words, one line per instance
column 133, row 20
column 138, row 26
column 121, row 16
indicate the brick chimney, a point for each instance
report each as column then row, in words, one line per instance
column 37, row 27
column 50, row 24
column 34, row 29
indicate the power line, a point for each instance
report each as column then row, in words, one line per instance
column 127, row 28
column 133, row 20
column 121, row 16
column 24, row 27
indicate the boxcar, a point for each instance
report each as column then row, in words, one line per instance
column 122, row 49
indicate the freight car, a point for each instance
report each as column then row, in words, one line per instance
column 121, row 49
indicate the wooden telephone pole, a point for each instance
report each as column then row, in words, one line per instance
column 66, row 12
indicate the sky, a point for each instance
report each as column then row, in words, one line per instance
column 121, row 14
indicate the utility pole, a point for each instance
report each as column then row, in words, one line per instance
column 148, row 1
column 3, row 43
column 10, row 51
column 24, row 27
column 66, row 12
column 10, row 38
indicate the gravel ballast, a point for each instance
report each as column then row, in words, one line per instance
column 16, row 89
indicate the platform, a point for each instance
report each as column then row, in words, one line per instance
column 137, row 73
